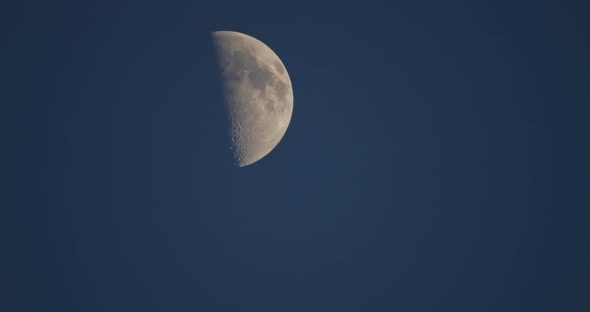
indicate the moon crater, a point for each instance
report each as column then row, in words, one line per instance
column 258, row 95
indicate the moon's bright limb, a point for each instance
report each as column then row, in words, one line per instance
column 258, row 95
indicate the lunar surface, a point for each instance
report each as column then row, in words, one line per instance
column 257, row 92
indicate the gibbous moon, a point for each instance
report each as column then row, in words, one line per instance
column 257, row 92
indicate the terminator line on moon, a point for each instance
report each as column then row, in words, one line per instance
column 257, row 92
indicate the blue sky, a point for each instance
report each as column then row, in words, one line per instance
column 436, row 160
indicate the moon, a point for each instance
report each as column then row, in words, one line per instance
column 257, row 93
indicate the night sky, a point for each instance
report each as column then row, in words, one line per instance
column 437, row 159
